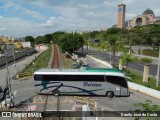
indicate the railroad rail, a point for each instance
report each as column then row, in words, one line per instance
column 55, row 63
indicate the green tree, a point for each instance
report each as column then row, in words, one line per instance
column 114, row 43
column 71, row 41
column 147, row 106
column 39, row 40
column 127, row 58
column 48, row 38
column 30, row 39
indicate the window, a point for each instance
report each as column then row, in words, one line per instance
column 97, row 78
column 38, row 77
column 117, row 80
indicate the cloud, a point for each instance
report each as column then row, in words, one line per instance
column 130, row 15
column 157, row 12
column 37, row 17
column 1, row 17
column 50, row 22
column 32, row 13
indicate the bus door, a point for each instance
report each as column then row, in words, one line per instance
column 113, row 84
column 124, row 87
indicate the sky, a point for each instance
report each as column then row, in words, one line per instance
column 20, row 18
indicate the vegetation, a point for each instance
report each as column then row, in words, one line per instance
column 137, row 78
column 127, row 58
column 147, row 35
column 153, row 53
column 147, row 61
column 40, row 62
column 29, row 39
column 70, row 42
column 148, row 106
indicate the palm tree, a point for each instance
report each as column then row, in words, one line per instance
column 127, row 58
column 113, row 41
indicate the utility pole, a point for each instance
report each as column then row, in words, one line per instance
column 157, row 76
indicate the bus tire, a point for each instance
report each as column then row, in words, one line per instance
column 56, row 93
column 110, row 94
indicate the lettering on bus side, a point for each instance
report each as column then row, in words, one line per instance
column 91, row 84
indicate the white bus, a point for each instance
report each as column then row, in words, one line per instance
column 91, row 81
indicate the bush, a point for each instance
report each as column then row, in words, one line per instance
column 153, row 53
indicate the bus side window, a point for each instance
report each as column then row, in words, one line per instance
column 117, row 80
column 38, row 77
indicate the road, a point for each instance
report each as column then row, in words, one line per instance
column 20, row 65
column 25, row 89
column 106, row 57
column 121, row 103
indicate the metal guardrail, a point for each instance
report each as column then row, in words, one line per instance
column 26, row 74
column 87, row 101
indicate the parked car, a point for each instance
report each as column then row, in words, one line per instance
column 85, row 66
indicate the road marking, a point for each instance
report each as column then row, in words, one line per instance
column 31, row 108
column 25, row 89
column 15, row 92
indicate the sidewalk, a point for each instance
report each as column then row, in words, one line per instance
column 20, row 65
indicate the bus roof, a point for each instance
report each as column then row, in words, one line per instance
column 88, row 71
column 102, row 70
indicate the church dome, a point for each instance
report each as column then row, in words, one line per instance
column 148, row 11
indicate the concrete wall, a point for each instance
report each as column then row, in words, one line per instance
column 17, row 56
column 134, row 86
column 144, row 90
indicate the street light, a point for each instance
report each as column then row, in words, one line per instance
column 110, row 51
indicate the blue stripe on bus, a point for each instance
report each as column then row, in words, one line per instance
column 58, row 86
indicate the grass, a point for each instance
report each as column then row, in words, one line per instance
column 153, row 53
column 138, row 79
column 40, row 62
column 68, row 62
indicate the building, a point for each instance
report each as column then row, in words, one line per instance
column 121, row 16
column 6, row 40
column 147, row 17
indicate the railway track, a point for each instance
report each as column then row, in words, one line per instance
column 55, row 63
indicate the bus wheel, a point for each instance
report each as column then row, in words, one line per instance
column 110, row 94
column 56, row 92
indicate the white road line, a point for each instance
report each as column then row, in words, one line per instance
column 14, row 94
column 25, row 89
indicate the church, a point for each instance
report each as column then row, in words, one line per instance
column 147, row 17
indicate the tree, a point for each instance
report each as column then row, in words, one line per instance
column 71, row 41
column 39, row 40
column 30, row 39
column 127, row 58
column 113, row 42
column 48, row 38
column 148, row 106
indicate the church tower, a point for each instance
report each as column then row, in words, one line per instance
column 121, row 16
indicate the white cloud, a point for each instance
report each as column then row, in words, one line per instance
column 1, row 17
column 130, row 15
column 157, row 12
column 50, row 22
column 70, row 15
column 83, row 6
column 32, row 13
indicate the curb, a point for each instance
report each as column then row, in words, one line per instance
column 136, row 87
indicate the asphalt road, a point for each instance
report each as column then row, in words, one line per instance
column 106, row 57
column 25, row 89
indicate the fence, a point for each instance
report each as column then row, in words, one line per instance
column 26, row 74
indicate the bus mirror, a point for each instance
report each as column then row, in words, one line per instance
column 128, row 78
